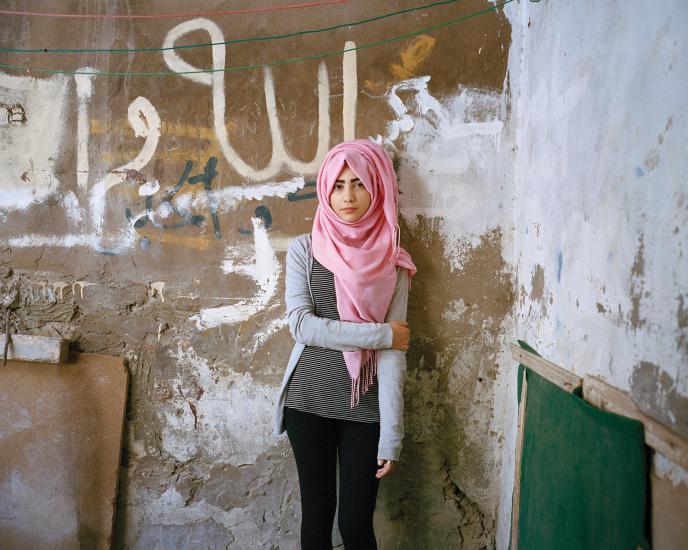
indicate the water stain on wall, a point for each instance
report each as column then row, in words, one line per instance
column 198, row 466
column 449, row 449
column 682, row 325
column 637, row 284
column 655, row 392
column 537, row 289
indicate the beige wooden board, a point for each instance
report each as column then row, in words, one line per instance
column 60, row 441
column 563, row 378
column 669, row 514
column 657, row 435
column 516, row 497
column 669, row 501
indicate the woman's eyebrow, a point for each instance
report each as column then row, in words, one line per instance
column 353, row 180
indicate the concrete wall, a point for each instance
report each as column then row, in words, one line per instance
column 107, row 241
column 600, row 199
column 543, row 197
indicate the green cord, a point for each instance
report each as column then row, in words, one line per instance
column 261, row 65
column 235, row 41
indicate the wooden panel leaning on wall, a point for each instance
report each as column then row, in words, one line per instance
column 669, row 500
column 60, row 445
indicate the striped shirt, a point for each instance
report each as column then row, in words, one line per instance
column 321, row 383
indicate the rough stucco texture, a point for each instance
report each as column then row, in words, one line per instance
column 601, row 212
column 543, row 197
column 149, row 218
column 600, row 197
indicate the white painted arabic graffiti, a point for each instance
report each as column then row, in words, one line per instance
column 33, row 137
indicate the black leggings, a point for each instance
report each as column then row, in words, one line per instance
column 315, row 440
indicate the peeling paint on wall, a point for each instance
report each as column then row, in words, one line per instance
column 637, row 284
column 220, row 417
column 39, row 139
column 586, row 203
column 163, row 212
column 263, row 267
column 656, row 393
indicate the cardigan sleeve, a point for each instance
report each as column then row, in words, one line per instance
column 312, row 330
column 391, row 371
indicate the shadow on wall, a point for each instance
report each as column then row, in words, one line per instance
column 443, row 495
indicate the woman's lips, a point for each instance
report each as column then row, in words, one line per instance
column 349, row 209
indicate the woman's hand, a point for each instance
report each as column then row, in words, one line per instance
column 388, row 467
column 400, row 335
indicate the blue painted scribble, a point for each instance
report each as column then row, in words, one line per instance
column 206, row 177
column 312, row 195
column 560, row 263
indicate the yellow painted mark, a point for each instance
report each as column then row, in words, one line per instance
column 118, row 157
column 201, row 242
column 182, row 155
column 377, row 88
column 412, row 57
column 189, row 130
column 169, row 128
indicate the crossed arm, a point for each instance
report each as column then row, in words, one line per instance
column 389, row 338
column 309, row 329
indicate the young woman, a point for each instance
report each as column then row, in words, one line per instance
column 342, row 395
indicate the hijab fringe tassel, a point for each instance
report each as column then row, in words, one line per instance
column 367, row 375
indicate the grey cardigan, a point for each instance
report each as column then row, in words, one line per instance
column 308, row 329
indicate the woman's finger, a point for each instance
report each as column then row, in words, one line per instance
column 387, row 469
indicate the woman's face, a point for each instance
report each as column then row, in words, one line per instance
column 349, row 198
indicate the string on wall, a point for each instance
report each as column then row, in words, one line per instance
column 497, row 6
column 172, row 15
column 344, row 25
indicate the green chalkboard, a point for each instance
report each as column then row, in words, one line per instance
column 584, row 474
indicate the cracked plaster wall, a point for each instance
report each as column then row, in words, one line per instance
column 530, row 203
column 120, row 232
column 600, row 199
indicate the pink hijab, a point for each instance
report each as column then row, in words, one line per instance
column 363, row 255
